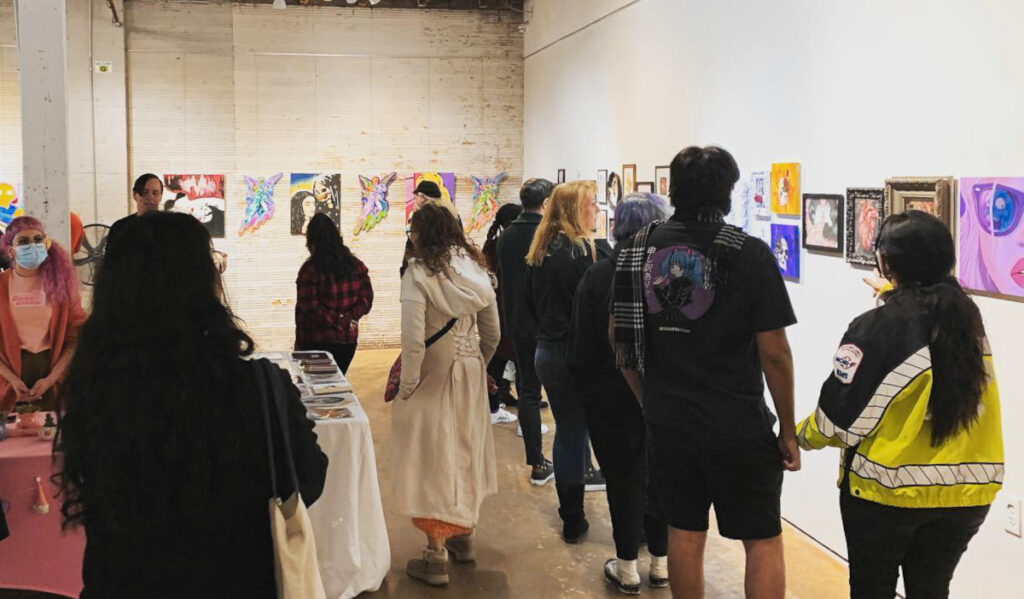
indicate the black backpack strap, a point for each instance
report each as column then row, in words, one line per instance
column 271, row 386
column 441, row 333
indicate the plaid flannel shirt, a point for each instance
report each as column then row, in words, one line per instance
column 328, row 310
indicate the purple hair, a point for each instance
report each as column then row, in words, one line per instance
column 59, row 280
column 636, row 211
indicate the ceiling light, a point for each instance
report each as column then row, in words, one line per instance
column 351, row 1
column 280, row 5
column 374, row 2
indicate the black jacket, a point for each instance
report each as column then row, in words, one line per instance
column 590, row 357
column 551, row 287
column 513, row 245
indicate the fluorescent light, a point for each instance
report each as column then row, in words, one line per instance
column 280, row 5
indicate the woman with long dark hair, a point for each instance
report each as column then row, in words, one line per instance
column 912, row 399
column 334, row 292
column 164, row 451
column 506, row 352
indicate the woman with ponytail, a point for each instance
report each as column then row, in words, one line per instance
column 913, row 401
column 40, row 314
column 500, row 392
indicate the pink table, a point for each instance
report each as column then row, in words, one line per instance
column 37, row 556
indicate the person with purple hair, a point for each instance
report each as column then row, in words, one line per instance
column 40, row 315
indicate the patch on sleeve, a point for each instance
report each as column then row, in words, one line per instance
column 847, row 361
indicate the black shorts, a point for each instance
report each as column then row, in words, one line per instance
column 742, row 478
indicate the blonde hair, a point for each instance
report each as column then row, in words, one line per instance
column 564, row 214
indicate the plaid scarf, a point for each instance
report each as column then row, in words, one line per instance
column 628, row 303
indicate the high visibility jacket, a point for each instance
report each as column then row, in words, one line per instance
column 874, row 406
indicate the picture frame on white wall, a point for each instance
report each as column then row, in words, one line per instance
column 629, row 178
column 662, row 180
column 602, row 187
column 561, row 176
column 927, row 194
column 823, row 223
column 865, row 210
column 613, row 190
column 645, row 186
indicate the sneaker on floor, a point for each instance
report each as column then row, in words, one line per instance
column 627, row 583
column 593, row 480
column 659, row 572
column 543, row 430
column 503, row 416
column 542, row 473
column 432, row 568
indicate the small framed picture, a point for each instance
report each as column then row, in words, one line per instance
column 645, row 186
column 601, row 228
column 927, row 194
column 629, row 178
column 785, row 246
column 865, row 209
column 823, row 223
column 614, row 190
column 611, row 228
column 561, row 176
column 602, row 187
column 662, row 180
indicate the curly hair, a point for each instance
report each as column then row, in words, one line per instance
column 438, row 236
column 59, row 280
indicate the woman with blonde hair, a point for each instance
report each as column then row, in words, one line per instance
column 563, row 248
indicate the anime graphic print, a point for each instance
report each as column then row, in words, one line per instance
column 674, row 283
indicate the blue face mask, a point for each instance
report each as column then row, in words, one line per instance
column 30, row 256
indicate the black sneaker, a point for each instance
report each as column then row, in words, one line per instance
column 611, row 574
column 542, row 473
column 593, row 480
column 574, row 531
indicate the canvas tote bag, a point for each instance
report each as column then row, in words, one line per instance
column 295, row 564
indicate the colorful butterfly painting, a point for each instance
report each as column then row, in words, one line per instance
column 259, row 202
column 375, row 201
column 485, row 201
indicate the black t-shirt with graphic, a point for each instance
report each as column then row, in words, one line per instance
column 703, row 373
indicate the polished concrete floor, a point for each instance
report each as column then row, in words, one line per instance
column 519, row 552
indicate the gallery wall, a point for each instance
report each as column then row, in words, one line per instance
column 854, row 91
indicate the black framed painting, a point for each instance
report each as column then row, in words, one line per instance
column 823, row 223
column 865, row 209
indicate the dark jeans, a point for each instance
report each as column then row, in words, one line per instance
column 342, row 352
column 618, row 433
column 496, row 369
column 528, row 395
column 925, row 543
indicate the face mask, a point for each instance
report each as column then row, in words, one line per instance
column 31, row 256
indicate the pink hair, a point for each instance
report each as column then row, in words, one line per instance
column 59, row 279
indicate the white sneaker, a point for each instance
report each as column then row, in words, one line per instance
column 503, row 416
column 543, row 429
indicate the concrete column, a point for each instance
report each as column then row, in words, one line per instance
column 42, row 35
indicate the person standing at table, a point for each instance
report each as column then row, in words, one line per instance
column 444, row 466
column 334, row 292
column 40, row 315
column 147, row 193
column 164, row 451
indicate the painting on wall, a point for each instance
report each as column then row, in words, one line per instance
column 485, row 201
column 202, row 196
column 761, row 229
column 662, row 180
column 757, row 194
column 785, row 245
column 992, row 236
column 865, row 209
column 601, row 229
column 645, row 186
column 613, row 191
column 785, row 188
column 10, row 205
column 602, row 184
column 445, row 181
column 927, row 194
column 374, row 201
column 259, row 202
column 629, row 178
column 560, row 178
column 312, row 194
column 823, row 223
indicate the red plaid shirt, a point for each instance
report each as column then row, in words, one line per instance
column 328, row 310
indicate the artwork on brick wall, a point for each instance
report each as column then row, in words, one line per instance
column 786, row 247
column 485, row 200
column 446, row 181
column 259, row 202
column 992, row 236
column 785, row 188
column 10, row 205
column 312, row 194
column 202, row 196
column 374, row 200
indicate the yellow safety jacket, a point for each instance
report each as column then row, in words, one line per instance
column 874, row 406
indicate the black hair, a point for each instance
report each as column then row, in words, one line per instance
column 918, row 254
column 327, row 249
column 298, row 216
column 156, row 373
column 534, row 192
column 140, row 183
column 503, row 218
column 702, row 181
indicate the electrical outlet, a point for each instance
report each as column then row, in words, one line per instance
column 1012, row 515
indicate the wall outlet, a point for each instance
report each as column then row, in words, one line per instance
column 1011, row 514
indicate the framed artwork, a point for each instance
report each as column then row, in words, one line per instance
column 786, row 247
column 758, row 197
column 259, row 202
column 823, row 223
column 202, row 196
column 662, row 180
column 602, row 183
column 927, row 194
column 613, row 191
column 645, row 186
column 992, row 236
column 601, row 227
column 865, row 209
column 314, row 193
column 611, row 228
column 561, row 176
column 785, row 188
column 761, row 229
column 629, row 178
column 445, row 181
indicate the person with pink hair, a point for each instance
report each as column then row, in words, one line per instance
column 40, row 315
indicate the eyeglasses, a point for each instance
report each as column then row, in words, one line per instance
column 23, row 241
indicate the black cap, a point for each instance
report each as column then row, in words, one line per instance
column 429, row 189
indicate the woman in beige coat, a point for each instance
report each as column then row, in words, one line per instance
column 443, row 458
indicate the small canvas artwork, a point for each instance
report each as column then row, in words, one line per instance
column 10, row 205
column 757, row 193
column 761, row 229
column 645, row 186
column 259, row 202
column 785, row 245
column 662, row 180
column 312, row 194
column 613, row 192
column 629, row 178
column 202, row 196
column 823, row 223
column 601, row 229
column 865, row 209
column 485, row 201
column 785, row 188
column 992, row 236
column 445, row 181
column 739, row 212
column 374, row 201
column 560, row 178
column 602, row 184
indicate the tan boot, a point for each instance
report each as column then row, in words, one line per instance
column 461, row 548
column 431, row 569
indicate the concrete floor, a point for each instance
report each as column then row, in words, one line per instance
column 519, row 551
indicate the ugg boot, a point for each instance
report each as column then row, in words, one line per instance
column 622, row 573
column 659, row 572
column 431, row 569
column 461, row 548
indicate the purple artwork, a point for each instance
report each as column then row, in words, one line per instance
column 374, row 200
column 674, row 279
column 786, row 247
column 992, row 236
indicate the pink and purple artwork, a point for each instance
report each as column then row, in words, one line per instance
column 992, row 236
column 374, row 200
column 445, row 181
column 259, row 202
column 485, row 200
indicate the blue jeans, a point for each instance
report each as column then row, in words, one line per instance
column 571, row 451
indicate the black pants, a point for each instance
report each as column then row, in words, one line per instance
column 496, row 368
column 618, row 434
column 342, row 352
column 925, row 543
column 528, row 392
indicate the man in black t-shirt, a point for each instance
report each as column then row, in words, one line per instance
column 700, row 311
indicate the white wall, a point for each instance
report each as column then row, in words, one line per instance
column 856, row 92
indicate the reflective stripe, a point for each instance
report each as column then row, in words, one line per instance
column 928, row 475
